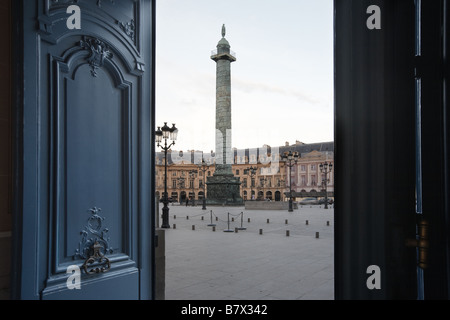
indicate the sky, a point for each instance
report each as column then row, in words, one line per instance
column 281, row 82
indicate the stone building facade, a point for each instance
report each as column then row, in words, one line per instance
column 270, row 181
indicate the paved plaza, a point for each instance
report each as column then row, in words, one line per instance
column 203, row 264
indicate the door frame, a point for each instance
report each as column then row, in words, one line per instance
column 433, row 69
column 348, row 274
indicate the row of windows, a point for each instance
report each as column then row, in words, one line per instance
column 186, row 173
column 261, row 159
column 263, row 182
column 262, row 171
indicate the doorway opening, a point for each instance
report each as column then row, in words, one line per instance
column 281, row 94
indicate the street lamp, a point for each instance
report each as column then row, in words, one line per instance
column 326, row 169
column 165, row 133
column 251, row 172
column 180, row 184
column 290, row 159
column 262, row 183
column 281, row 184
column 192, row 175
column 203, row 166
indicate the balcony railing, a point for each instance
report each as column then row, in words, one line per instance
column 232, row 53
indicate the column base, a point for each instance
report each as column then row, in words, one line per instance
column 223, row 190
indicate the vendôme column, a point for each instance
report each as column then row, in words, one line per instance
column 223, row 187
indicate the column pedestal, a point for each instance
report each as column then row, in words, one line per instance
column 224, row 190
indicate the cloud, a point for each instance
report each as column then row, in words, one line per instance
column 249, row 87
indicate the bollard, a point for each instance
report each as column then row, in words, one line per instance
column 260, row 231
column 242, row 222
column 228, row 230
column 248, row 220
column 187, row 217
column 235, row 230
column 287, row 233
column 306, row 222
column 217, row 218
column 232, row 219
column 202, row 218
column 317, row 235
column 267, row 220
column 174, row 216
column 174, row 226
column 214, row 228
column 286, row 221
column 193, row 227
column 212, row 224
column 328, row 223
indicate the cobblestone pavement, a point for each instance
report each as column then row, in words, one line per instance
column 203, row 264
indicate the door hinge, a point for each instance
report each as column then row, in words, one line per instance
column 422, row 243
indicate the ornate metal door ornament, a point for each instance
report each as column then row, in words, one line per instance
column 94, row 244
column 97, row 260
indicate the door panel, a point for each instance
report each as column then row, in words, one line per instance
column 374, row 150
column 92, row 162
column 392, row 142
column 122, row 287
column 84, row 127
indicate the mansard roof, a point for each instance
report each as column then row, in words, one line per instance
column 192, row 156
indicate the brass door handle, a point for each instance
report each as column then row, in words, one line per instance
column 422, row 243
column 97, row 262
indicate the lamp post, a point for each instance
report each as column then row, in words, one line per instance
column 290, row 159
column 180, row 184
column 165, row 133
column 281, row 184
column 251, row 172
column 203, row 166
column 263, row 185
column 326, row 169
column 192, row 175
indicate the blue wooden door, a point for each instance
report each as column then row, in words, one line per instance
column 84, row 226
